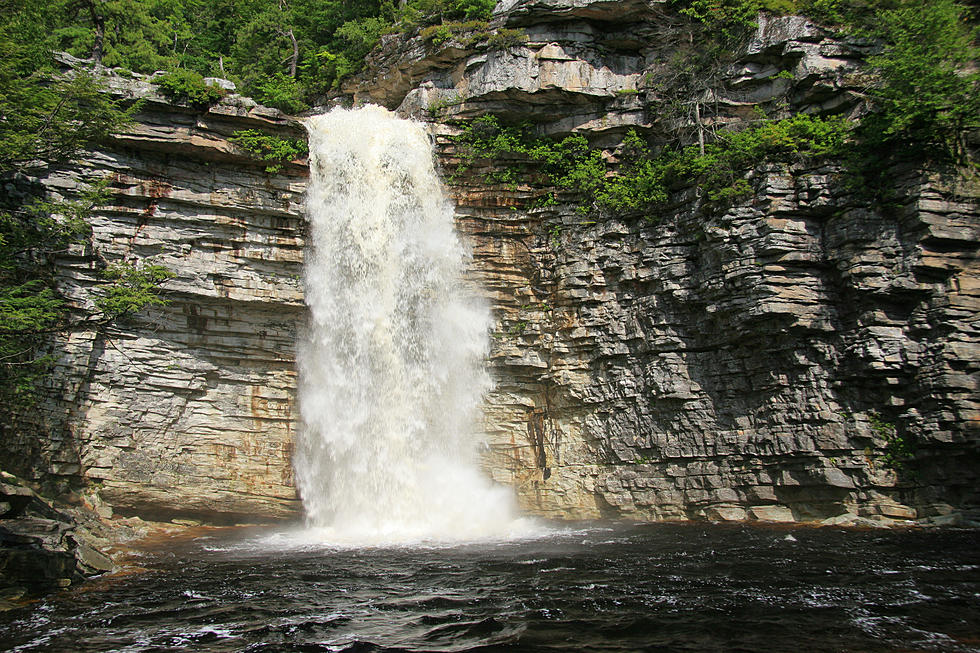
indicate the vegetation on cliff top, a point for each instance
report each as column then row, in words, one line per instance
column 47, row 118
column 272, row 149
column 280, row 52
column 923, row 101
column 925, row 91
column 644, row 178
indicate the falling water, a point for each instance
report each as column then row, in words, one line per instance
column 392, row 366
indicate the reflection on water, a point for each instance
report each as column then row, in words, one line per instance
column 672, row 587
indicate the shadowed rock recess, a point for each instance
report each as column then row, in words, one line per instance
column 752, row 362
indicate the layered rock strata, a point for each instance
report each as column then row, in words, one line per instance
column 185, row 409
column 757, row 362
column 761, row 362
column 42, row 546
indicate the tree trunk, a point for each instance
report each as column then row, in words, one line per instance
column 700, row 127
column 295, row 59
column 98, row 20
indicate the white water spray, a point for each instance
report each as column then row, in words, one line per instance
column 391, row 370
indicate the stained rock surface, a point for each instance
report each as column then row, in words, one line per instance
column 186, row 410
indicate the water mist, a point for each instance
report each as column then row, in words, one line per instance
column 391, row 369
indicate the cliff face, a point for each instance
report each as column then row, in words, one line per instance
column 749, row 363
column 186, row 409
column 761, row 362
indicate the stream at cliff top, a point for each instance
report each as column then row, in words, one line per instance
column 671, row 587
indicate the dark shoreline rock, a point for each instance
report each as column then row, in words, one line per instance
column 44, row 546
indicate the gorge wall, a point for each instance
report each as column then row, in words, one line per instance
column 184, row 409
column 749, row 363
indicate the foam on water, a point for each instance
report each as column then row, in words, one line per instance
column 392, row 365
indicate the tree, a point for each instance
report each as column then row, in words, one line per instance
column 134, row 34
column 928, row 88
column 47, row 116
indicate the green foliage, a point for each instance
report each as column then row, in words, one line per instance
column 472, row 32
column 424, row 12
column 28, row 310
column 517, row 328
column 285, row 54
column 720, row 169
column 466, row 33
column 184, row 85
column 138, row 34
column 45, row 116
column 267, row 147
column 48, row 117
column 258, row 44
column 568, row 163
column 29, row 307
column 131, row 288
column 554, row 236
column 899, row 449
column 31, row 235
column 281, row 91
column 644, row 179
column 731, row 20
column 325, row 69
column 503, row 38
column 436, row 107
column 928, row 93
column 361, row 35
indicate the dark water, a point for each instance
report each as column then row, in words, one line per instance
column 669, row 587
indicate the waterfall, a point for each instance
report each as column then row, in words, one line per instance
column 391, row 367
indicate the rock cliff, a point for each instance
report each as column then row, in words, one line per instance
column 186, row 409
column 757, row 362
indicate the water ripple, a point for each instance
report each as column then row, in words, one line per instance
column 676, row 587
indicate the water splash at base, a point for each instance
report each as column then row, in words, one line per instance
column 392, row 364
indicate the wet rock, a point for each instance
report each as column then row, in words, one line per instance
column 92, row 560
column 43, row 547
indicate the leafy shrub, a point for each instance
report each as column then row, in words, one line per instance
column 472, row 32
column 899, row 448
column 282, row 92
column 466, row 33
column 644, row 179
column 131, row 288
column 928, row 91
column 184, row 85
column 720, row 169
column 506, row 38
column 437, row 106
column 433, row 11
column 731, row 19
column 269, row 148
column 326, row 69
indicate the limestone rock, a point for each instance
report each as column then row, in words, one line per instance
column 748, row 363
column 187, row 409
